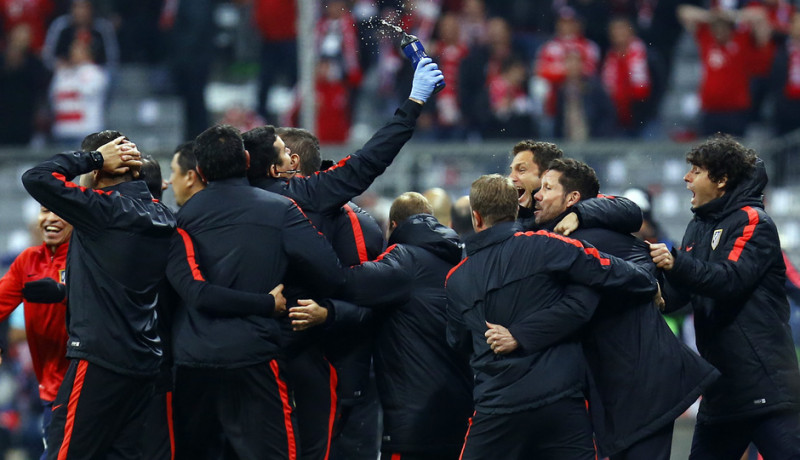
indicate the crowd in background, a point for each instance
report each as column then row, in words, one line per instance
column 567, row 69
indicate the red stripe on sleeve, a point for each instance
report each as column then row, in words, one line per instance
column 395, row 456
column 453, row 270
column 740, row 243
column 72, row 406
column 69, row 184
column 791, row 273
column 387, row 251
column 334, row 381
column 358, row 234
column 600, row 195
column 337, row 165
column 170, row 427
column 590, row 251
column 287, row 410
column 190, row 257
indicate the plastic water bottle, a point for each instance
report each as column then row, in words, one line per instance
column 414, row 51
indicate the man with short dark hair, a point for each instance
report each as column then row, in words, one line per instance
column 36, row 280
column 425, row 387
column 184, row 179
column 324, row 197
column 117, row 258
column 643, row 378
column 731, row 270
column 229, row 382
column 528, row 405
column 305, row 145
column 529, row 160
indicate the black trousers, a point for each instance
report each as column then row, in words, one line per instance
column 158, row 438
column 98, row 414
column 558, row 431
column 313, row 381
column 776, row 435
column 241, row 413
column 657, row 446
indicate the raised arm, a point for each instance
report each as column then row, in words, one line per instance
column 330, row 189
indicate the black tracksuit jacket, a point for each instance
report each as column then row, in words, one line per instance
column 642, row 376
column 732, row 271
column 117, row 258
column 509, row 274
column 425, row 386
column 243, row 239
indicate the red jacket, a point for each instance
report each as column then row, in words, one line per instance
column 45, row 324
column 725, row 84
column 627, row 79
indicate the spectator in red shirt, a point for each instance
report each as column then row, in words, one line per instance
column 36, row 279
column 276, row 22
column 728, row 56
column 785, row 81
column 550, row 62
column 626, row 76
column 34, row 13
column 448, row 51
column 510, row 106
column 778, row 13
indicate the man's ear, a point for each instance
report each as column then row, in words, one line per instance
column 247, row 157
column 273, row 171
column 200, row 173
column 722, row 182
column 477, row 221
column 573, row 197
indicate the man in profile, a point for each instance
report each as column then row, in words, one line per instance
column 526, row 405
column 116, row 262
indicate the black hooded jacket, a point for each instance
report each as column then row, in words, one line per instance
column 732, row 271
column 642, row 376
column 424, row 385
column 509, row 275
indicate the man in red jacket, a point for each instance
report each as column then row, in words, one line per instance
column 36, row 279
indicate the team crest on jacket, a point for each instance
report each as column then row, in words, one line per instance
column 62, row 276
column 715, row 238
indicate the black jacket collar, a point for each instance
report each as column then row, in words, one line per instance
column 491, row 236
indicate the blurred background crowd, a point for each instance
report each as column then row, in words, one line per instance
column 566, row 69
column 621, row 84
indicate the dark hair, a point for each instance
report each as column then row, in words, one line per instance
column 495, row 198
column 723, row 157
column 95, row 140
column 220, row 153
column 543, row 152
column 259, row 143
column 407, row 205
column 576, row 176
column 187, row 161
column 151, row 175
column 306, row 145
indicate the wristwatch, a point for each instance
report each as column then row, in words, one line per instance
column 97, row 159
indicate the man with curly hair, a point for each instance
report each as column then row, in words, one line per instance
column 731, row 270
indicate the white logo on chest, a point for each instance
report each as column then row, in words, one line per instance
column 715, row 238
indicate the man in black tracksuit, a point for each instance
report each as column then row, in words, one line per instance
column 424, row 385
column 324, row 197
column 117, row 259
column 732, row 272
column 230, row 390
column 527, row 405
column 642, row 377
